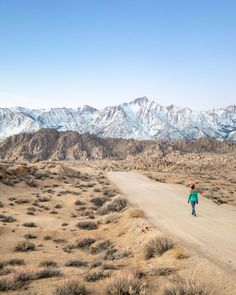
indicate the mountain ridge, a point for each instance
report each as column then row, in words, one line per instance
column 139, row 119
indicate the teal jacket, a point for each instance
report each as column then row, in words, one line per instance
column 193, row 197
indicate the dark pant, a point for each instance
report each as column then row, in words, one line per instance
column 193, row 203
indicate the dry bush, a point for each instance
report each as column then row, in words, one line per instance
column 13, row 262
column 113, row 254
column 48, row 273
column 1, row 205
column 70, row 288
column 8, row 219
column 22, row 201
column 29, row 224
column 87, row 224
column 48, row 263
column 116, row 205
column 126, row 283
column 47, row 237
column 85, row 242
column 79, row 203
column 136, row 213
column 25, row 246
column 186, row 287
column 157, row 246
column 96, row 275
column 43, row 199
column 98, row 201
column 58, row 206
column 100, row 246
column 76, row 263
column 97, row 190
column 30, row 236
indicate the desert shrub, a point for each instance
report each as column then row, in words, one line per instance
column 43, row 199
column 47, row 237
column 87, row 224
column 85, row 242
column 113, row 254
column 29, row 212
column 59, row 241
column 58, row 206
column 8, row 219
column 96, row 275
column 98, row 201
column 14, row 261
column 136, row 213
column 29, row 224
column 48, row 273
column 70, row 288
column 116, row 205
column 22, row 201
column 48, row 263
column 25, row 246
column 97, row 190
column 1, row 204
column 30, row 236
column 79, row 203
column 53, row 212
column 186, row 287
column 76, row 263
column 157, row 246
column 64, row 224
column 95, row 263
column 100, row 246
column 126, row 283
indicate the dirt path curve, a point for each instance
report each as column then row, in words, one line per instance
column 212, row 232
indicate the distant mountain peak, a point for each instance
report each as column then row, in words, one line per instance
column 139, row 119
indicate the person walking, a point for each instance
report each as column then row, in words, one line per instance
column 193, row 199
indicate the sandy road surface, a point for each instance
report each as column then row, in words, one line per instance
column 212, row 232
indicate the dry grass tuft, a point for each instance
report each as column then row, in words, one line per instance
column 116, row 205
column 186, row 287
column 126, row 282
column 157, row 246
column 70, row 288
column 48, row 263
column 85, row 242
column 87, row 224
column 25, row 246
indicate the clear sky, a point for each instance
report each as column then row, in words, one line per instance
column 104, row 52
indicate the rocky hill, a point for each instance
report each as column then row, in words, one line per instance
column 139, row 119
column 69, row 145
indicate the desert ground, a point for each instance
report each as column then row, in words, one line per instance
column 70, row 227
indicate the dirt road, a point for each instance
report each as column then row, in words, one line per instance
column 212, row 232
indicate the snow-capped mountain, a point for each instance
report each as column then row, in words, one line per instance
column 139, row 119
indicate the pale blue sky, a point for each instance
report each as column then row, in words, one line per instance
column 73, row 52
